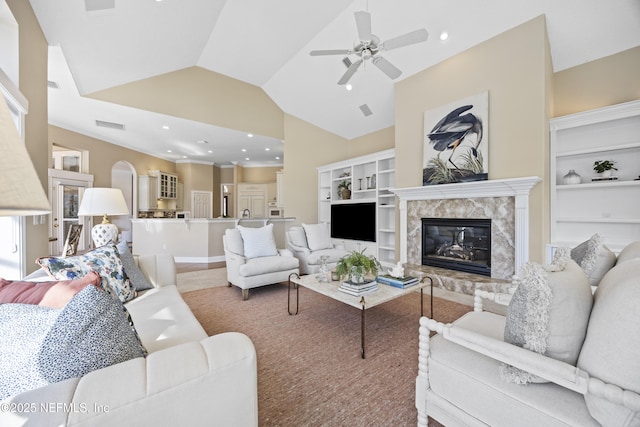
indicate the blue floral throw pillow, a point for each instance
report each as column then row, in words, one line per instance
column 104, row 260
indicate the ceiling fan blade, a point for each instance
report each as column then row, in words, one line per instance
column 330, row 52
column 363, row 23
column 350, row 71
column 413, row 37
column 386, row 67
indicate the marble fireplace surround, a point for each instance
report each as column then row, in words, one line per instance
column 505, row 201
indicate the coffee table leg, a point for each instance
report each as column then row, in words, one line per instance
column 362, row 326
column 289, row 295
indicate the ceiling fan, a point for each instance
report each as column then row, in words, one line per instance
column 368, row 47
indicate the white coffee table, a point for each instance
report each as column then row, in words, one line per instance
column 383, row 294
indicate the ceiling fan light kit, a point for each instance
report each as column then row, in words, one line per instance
column 368, row 48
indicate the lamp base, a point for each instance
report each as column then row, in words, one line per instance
column 104, row 233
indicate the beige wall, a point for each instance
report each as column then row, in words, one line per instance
column 205, row 96
column 607, row 81
column 197, row 177
column 260, row 174
column 33, row 85
column 513, row 67
column 103, row 155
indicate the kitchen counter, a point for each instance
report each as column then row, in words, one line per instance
column 196, row 240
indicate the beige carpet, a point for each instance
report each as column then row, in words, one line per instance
column 309, row 368
column 202, row 279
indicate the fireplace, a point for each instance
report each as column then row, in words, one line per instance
column 457, row 244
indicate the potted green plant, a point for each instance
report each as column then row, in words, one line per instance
column 604, row 167
column 344, row 189
column 357, row 265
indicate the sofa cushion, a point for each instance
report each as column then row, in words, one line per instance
column 594, row 257
column 264, row 265
column 43, row 345
column 298, row 237
column 258, row 242
column 611, row 350
column 318, row 236
column 131, row 269
column 104, row 260
column 629, row 252
column 548, row 313
column 333, row 254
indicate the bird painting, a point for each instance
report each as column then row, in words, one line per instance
column 454, row 148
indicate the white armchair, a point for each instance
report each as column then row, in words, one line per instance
column 253, row 260
column 309, row 243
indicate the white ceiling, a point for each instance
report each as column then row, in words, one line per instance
column 267, row 44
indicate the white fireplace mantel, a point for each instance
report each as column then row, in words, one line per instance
column 518, row 188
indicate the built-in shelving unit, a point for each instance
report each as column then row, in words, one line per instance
column 371, row 177
column 610, row 208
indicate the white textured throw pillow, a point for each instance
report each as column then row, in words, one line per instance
column 594, row 257
column 317, row 236
column 548, row 313
column 258, row 242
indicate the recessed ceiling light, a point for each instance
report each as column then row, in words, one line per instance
column 169, row 151
column 246, row 158
column 202, row 141
column 184, row 157
column 267, row 149
column 210, row 151
column 348, row 87
column 250, row 135
column 165, row 127
column 444, row 35
column 244, row 150
column 277, row 157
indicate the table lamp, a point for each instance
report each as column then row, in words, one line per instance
column 103, row 202
column 21, row 192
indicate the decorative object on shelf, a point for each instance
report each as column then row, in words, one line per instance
column 323, row 275
column 345, row 174
column 359, row 183
column 373, row 181
column 344, row 189
column 604, row 167
column 357, row 266
column 103, row 202
column 572, row 178
column 452, row 149
column 368, row 182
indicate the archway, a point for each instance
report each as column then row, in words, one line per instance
column 125, row 177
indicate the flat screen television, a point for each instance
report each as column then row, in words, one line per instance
column 354, row 221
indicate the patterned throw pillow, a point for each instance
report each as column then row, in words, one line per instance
column 594, row 258
column 42, row 345
column 49, row 294
column 104, row 260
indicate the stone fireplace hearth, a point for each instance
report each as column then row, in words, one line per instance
column 505, row 202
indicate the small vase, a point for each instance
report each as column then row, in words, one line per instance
column 605, row 174
column 572, row 178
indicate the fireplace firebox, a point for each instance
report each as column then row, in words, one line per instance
column 458, row 244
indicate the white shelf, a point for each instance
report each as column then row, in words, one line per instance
column 609, row 208
column 381, row 165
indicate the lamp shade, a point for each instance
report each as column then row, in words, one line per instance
column 103, row 201
column 21, row 192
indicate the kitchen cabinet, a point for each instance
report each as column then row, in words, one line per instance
column 147, row 193
column 167, row 184
column 254, row 198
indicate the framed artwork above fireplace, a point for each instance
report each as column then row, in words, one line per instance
column 456, row 141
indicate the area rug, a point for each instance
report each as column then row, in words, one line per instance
column 310, row 372
column 202, row 279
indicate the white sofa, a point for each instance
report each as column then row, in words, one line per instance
column 187, row 378
column 459, row 381
column 311, row 242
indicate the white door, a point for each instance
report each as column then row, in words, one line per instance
column 201, row 204
column 65, row 196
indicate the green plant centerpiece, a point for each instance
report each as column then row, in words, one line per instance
column 602, row 166
column 356, row 266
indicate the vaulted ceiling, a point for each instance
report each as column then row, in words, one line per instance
column 101, row 44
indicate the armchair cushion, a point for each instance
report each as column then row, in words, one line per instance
column 264, row 265
column 548, row 314
column 594, row 257
column 258, row 242
column 611, row 347
column 298, row 237
column 318, row 236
